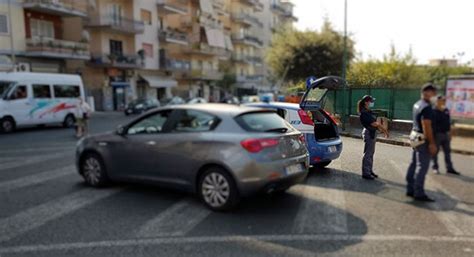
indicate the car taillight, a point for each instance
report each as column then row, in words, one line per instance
column 305, row 118
column 330, row 117
column 257, row 145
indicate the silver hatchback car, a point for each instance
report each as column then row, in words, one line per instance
column 221, row 152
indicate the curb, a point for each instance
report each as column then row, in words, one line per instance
column 401, row 143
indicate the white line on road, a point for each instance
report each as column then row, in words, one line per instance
column 312, row 195
column 231, row 239
column 32, row 160
column 177, row 220
column 37, row 216
column 456, row 223
column 39, row 149
column 38, row 178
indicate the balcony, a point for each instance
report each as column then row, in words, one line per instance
column 172, row 7
column 220, row 7
column 249, row 78
column 173, row 37
column 206, row 74
column 55, row 48
column 278, row 8
column 247, row 40
column 240, row 58
column 116, row 24
column 64, row 8
column 246, row 19
column 256, row 4
column 205, row 49
column 175, row 65
column 256, row 60
column 117, row 61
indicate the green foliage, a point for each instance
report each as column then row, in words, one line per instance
column 296, row 55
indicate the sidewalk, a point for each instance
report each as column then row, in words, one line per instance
column 461, row 145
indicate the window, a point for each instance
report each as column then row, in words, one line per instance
column 116, row 47
column 195, row 121
column 41, row 91
column 115, row 14
column 263, row 122
column 4, row 24
column 19, row 93
column 42, row 28
column 148, row 48
column 146, row 16
column 151, row 124
column 66, row 91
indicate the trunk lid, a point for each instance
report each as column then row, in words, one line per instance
column 317, row 90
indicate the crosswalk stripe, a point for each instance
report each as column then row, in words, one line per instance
column 455, row 222
column 32, row 160
column 177, row 220
column 33, row 150
column 38, row 178
column 37, row 216
column 336, row 218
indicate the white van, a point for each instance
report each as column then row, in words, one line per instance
column 28, row 99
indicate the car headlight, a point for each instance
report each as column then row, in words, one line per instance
column 139, row 106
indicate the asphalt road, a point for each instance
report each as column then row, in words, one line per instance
column 46, row 210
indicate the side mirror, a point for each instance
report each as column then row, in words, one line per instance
column 121, row 130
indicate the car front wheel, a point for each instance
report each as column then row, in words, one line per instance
column 217, row 190
column 93, row 170
column 7, row 125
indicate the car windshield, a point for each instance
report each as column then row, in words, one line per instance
column 5, row 87
column 263, row 122
column 316, row 95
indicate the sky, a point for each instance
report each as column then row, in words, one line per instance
column 431, row 28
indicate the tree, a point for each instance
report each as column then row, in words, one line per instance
column 295, row 55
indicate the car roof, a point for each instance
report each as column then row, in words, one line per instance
column 218, row 108
column 289, row 106
column 40, row 77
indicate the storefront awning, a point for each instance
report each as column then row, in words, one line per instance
column 159, row 81
column 215, row 37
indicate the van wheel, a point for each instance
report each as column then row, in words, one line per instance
column 7, row 125
column 92, row 169
column 217, row 189
column 69, row 121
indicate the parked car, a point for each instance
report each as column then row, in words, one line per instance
column 175, row 100
column 220, row 152
column 318, row 126
column 250, row 99
column 139, row 106
column 197, row 100
column 31, row 99
column 230, row 100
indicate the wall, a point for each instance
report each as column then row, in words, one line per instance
column 150, row 36
column 18, row 27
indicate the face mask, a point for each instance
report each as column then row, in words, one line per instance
column 433, row 99
column 371, row 104
column 443, row 107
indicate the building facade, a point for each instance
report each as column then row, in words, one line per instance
column 127, row 49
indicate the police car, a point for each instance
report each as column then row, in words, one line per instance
column 318, row 126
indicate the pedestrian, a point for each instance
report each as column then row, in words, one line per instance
column 370, row 124
column 82, row 113
column 423, row 143
column 443, row 135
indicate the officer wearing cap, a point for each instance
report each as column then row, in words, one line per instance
column 370, row 124
column 424, row 144
column 442, row 134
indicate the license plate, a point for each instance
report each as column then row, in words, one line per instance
column 332, row 149
column 293, row 169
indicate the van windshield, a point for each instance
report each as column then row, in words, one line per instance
column 5, row 87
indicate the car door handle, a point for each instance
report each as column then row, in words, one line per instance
column 151, row 143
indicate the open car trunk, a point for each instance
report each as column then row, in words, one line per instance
column 324, row 127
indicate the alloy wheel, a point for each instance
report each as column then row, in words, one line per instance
column 92, row 171
column 215, row 189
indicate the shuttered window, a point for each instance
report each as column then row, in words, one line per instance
column 3, row 23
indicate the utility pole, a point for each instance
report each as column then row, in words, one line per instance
column 345, row 99
column 10, row 27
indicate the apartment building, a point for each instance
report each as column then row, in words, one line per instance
column 42, row 36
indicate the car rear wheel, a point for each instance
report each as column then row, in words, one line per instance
column 7, row 125
column 69, row 121
column 217, row 190
column 93, row 170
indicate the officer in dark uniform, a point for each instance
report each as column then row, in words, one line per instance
column 370, row 124
column 442, row 132
column 422, row 154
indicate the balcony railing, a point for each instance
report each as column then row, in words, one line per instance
column 278, row 7
column 55, row 48
column 206, row 74
column 205, row 49
column 58, row 7
column 247, row 39
column 241, row 58
column 117, row 60
column 247, row 19
column 117, row 24
column 249, row 78
column 175, row 65
column 171, row 7
column 220, row 7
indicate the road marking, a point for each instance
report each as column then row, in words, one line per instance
column 21, row 150
column 177, row 220
column 38, row 178
column 37, row 216
column 32, row 160
column 311, row 205
column 455, row 222
column 231, row 239
column 275, row 249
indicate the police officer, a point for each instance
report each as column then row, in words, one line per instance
column 370, row 124
column 422, row 154
column 442, row 132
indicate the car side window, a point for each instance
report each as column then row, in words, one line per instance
column 281, row 113
column 41, row 91
column 19, row 93
column 152, row 124
column 195, row 121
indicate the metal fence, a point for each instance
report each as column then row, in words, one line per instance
column 397, row 103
